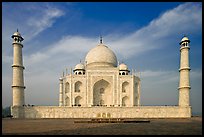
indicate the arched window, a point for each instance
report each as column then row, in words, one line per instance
column 125, row 87
column 79, row 73
column 123, row 73
column 67, row 101
column 78, row 85
column 124, row 101
column 67, row 87
column 78, row 101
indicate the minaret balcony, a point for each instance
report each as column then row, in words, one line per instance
column 18, row 43
column 184, row 68
column 18, row 86
column 20, row 66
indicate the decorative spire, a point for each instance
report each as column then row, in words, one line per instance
column 17, row 29
column 101, row 41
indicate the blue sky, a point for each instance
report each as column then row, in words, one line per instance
column 144, row 35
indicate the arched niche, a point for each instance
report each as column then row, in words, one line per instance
column 125, row 101
column 66, row 87
column 78, row 101
column 78, row 86
column 125, row 87
column 67, row 101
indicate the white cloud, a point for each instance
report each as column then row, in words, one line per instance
column 153, row 36
column 150, row 73
column 156, row 35
column 181, row 18
column 7, row 59
column 157, row 78
column 159, row 87
column 43, row 20
column 73, row 44
column 68, row 51
column 31, row 19
column 194, row 74
column 161, row 77
column 184, row 19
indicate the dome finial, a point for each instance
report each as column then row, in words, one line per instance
column 17, row 29
column 101, row 41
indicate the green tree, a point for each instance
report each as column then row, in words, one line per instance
column 6, row 111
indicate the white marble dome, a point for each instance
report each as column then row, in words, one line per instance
column 79, row 67
column 123, row 67
column 17, row 34
column 184, row 39
column 101, row 56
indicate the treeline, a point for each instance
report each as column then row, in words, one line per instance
column 6, row 112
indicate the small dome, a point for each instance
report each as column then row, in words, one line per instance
column 123, row 67
column 184, row 39
column 101, row 56
column 79, row 67
column 17, row 34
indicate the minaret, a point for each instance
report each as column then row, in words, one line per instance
column 18, row 79
column 184, row 83
column 61, row 92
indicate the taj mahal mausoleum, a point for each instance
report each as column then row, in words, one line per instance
column 99, row 87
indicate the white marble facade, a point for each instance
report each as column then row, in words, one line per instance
column 100, row 81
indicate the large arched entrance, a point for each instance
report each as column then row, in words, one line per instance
column 125, row 101
column 102, row 93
